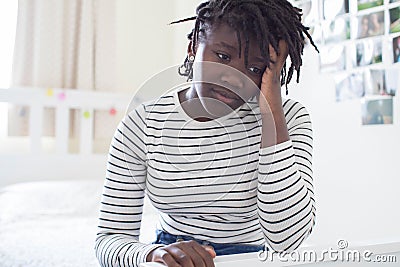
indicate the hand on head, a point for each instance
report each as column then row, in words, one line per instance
column 271, row 75
column 270, row 89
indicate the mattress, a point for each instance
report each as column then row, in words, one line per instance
column 54, row 223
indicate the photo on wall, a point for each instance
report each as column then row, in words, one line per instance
column 377, row 111
column 392, row 81
column 332, row 58
column 367, row 52
column 374, row 82
column 310, row 10
column 394, row 15
column 364, row 4
column 334, row 8
column 349, row 86
column 396, row 49
column 316, row 33
column 370, row 25
column 337, row 30
column 381, row 82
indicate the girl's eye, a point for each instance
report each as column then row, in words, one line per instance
column 255, row 70
column 223, row 56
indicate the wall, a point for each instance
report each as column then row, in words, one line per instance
column 356, row 182
column 147, row 45
column 143, row 41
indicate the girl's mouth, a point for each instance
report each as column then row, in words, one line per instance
column 224, row 96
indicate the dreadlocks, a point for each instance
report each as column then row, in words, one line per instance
column 268, row 21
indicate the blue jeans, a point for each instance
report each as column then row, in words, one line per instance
column 220, row 249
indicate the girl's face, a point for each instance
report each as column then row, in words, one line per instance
column 221, row 79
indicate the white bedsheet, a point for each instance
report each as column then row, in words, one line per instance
column 54, row 223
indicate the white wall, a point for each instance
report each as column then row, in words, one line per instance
column 356, row 181
column 146, row 44
column 144, row 40
column 183, row 9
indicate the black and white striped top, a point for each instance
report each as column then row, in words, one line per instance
column 209, row 180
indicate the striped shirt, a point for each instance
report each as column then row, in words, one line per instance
column 209, row 180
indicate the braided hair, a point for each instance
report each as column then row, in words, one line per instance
column 268, row 21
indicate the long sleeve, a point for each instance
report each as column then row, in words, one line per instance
column 117, row 242
column 285, row 197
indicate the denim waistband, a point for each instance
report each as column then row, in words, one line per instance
column 165, row 238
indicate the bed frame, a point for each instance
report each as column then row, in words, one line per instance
column 34, row 162
column 49, row 198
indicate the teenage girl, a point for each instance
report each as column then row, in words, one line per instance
column 226, row 161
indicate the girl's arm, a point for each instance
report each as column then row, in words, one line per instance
column 286, row 203
column 117, row 242
column 274, row 127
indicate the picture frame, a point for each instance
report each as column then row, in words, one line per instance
column 349, row 86
column 334, row 8
column 316, row 33
column 394, row 16
column 337, row 30
column 392, row 81
column 367, row 52
column 310, row 10
column 377, row 111
column 374, row 82
column 372, row 24
column 396, row 49
column 365, row 4
column 332, row 58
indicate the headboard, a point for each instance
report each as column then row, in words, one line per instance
column 50, row 193
column 38, row 157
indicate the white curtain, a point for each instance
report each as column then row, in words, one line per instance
column 63, row 44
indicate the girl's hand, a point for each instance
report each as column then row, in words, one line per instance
column 274, row 128
column 270, row 94
column 183, row 254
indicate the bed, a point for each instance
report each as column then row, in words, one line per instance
column 48, row 223
column 50, row 195
column 53, row 223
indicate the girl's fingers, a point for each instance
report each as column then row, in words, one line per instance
column 210, row 250
column 283, row 53
column 163, row 256
column 181, row 256
column 185, row 254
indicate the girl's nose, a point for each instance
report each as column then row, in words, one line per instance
column 232, row 78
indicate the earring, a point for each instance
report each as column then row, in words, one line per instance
column 186, row 68
column 190, row 68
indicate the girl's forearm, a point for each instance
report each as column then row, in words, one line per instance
column 274, row 126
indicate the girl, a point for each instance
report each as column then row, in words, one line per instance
column 226, row 161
